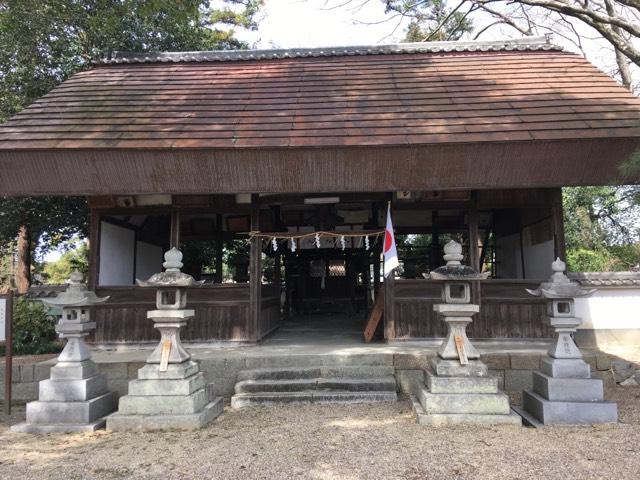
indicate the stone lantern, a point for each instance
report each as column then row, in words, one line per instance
column 170, row 391
column 458, row 388
column 564, row 392
column 457, row 309
column 75, row 397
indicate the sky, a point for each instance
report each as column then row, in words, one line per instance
column 317, row 23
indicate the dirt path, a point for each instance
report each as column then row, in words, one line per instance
column 351, row 442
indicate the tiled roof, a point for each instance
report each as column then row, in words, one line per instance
column 524, row 44
column 481, row 93
column 607, row 279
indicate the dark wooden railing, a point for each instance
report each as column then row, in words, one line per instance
column 221, row 313
column 506, row 310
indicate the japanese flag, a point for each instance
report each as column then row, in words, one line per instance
column 390, row 252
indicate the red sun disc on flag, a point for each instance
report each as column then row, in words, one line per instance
column 388, row 239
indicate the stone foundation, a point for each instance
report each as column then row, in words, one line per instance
column 513, row 370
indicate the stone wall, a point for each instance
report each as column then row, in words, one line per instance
column 512, row 369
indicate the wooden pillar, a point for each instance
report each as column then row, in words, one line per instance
column 255, row 273
column 219, row 248
column 557, row 217
column 94, row 250
column 389, row 301
column 436, row 255
column 174, row 236
column 474, row 254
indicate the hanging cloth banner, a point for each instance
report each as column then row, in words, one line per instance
column 390, row 252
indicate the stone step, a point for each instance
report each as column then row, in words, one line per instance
column 314, row 360
column 437, row 384
column 464, row 403
column 568, row 389
column 191, row 421
column 310, row 396
column 60, row 390
column 295, row 385
column 444, row 419
column 311, row 372
column 184, row 386
column 550, row 412
column 59, row 413
column 164, row 404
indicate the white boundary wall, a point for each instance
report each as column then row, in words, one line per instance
column 610, row 308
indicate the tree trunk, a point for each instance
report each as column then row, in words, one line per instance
column 23, row 268
column 621, row 59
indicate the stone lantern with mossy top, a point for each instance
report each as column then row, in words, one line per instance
column 75, row 397
column 459, row 389
column 170, row 391
column 563, row 391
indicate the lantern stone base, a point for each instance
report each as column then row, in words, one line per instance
column 178, row 398
column 565, row 394
column 74, row 399
column 468, row 396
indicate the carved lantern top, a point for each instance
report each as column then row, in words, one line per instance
column 75, row 295
column 172, row 277
column 454, row 270
column 559, row 285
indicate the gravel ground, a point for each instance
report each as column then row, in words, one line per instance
column 379, row 441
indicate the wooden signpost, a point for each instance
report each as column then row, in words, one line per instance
column 6, row 317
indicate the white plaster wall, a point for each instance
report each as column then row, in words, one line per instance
column 116, row 255
column 148, row 260
column 538, row 259
column 610, row 309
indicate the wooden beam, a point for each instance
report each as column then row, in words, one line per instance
column 255, row 273
column 557, row 215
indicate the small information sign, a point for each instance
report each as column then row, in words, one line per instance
column 164, row 356
column 460, row 348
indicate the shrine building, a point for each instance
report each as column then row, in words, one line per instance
column 272, row 170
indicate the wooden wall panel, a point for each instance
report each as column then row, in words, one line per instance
column 506, row 311
column 221, row 313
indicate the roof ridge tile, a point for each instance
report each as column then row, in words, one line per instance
column 541, row 43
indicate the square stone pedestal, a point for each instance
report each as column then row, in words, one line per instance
column 74, row 399
column 179, row 398
column 565, row 394
column 462, row 394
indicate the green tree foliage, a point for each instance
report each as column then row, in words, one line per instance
column 76, row 258
column 33, row 328
column 602, row 227
column 431, row 20
column 43, row 42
